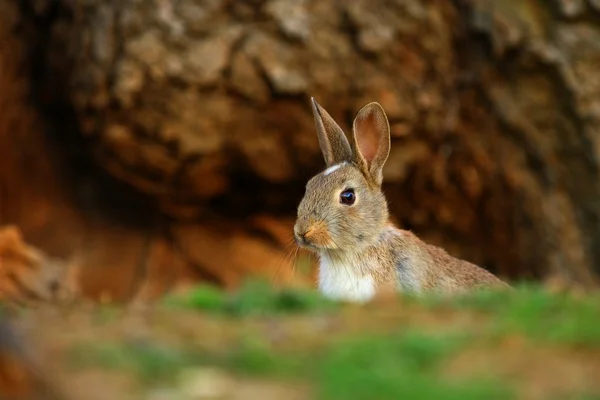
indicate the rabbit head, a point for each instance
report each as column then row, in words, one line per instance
column 344, row 207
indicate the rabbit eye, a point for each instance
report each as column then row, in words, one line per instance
column 347, row 197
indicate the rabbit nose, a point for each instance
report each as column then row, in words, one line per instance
column 301, row 236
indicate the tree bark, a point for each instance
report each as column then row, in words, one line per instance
column 201, row 108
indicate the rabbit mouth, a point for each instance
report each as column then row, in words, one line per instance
column 306, row 245
column 310, row 243
column 315, row 237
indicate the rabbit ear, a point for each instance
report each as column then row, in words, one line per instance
column 333, row 141
column 371, row 140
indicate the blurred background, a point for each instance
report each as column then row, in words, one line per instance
column 149, row 143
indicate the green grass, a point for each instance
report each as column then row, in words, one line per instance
column 150, row 362
column 403, row 364
column 398, row 365
column 255, row 297
column 106, row 313
column 255, row 357
column 583, row 396
column 539, row 314
column 407, row 362
column 529, row 310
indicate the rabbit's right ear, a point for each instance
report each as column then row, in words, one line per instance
column 332, row 140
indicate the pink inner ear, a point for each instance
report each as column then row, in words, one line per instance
column 367, row 137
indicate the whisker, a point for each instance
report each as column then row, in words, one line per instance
column 314, row 258
column 294, row 260
column 286, row 258
column 295, row 263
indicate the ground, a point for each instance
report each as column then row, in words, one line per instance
column 262, row 343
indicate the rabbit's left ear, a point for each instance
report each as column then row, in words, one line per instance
column 371, row 140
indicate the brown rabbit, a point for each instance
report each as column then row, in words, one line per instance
column 344, row 218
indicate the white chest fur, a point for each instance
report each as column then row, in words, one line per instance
column 342, row 281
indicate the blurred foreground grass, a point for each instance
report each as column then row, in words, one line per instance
column 264, row 343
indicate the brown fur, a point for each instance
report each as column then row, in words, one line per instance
column 359, row 237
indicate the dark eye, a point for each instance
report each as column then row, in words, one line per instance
column 348, row 197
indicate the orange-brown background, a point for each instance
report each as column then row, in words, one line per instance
column 149, row 143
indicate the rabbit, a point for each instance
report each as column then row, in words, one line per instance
column 344, row 218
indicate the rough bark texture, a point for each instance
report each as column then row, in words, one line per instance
column 201, row 108
column 78, row 225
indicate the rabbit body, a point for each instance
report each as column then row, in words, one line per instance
column 344, row 218
column 401, row 260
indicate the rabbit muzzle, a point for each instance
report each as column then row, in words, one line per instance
column 311, row 234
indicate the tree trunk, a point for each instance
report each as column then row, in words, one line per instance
column 199, row 110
